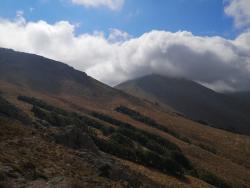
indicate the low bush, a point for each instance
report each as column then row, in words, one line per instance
column 139, row 155
column 212, row 179
column 208, row 148
column 42, row 104
column 123, row 140
column 60, row 117
column 54, row 118
column 135, row 134
column 111, row 120
column 159, row 146
column 148, row 121
column 11, row 111
column 107, row 131
column 181, row 159
column 114, row 148
column 139, row 117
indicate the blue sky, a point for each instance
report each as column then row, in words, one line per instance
column 207, row 41
column 201, row 17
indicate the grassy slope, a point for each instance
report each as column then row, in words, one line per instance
column 28, row 154
column 231, row 161
column 40, row 161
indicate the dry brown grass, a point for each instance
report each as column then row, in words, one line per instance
column 167, row 180
column 231, row 161
column 23, row 150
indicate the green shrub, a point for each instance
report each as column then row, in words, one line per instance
column 159, row 145
column 208, row 148
column 126, row 141
column 2, row 176
column 139, row 117
column 123, row 140
column 212, row 179
column 114, row 148
column 107, row 131
column 138, row 155
column 148, row 121
column 181, row 159
column 42, row 104
column 155, row 143
column 135, row 134
column 60, row 117
column 11, row 111
column 53, row 118
column 111, row 120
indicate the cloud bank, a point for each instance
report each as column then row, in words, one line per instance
column 111, row 4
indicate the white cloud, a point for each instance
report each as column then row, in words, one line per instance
column 117, row 35
column 19, row 13
column 240, row 11
column 214, row 61
column 111, row 4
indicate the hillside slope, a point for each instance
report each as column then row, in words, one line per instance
column 193, row 100
column 116, row 140
column 32, row 73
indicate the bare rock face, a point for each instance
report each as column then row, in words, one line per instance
column 75, row 138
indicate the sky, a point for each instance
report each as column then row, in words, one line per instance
column 201, row 17
column 207, row 41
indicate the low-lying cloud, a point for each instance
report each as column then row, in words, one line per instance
column 216, row 62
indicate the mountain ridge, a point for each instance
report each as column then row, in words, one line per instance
column 193, row 100
column 43, row 75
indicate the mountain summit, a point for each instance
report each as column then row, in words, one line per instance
column 193, row 100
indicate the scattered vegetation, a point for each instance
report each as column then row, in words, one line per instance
column 152, row 147
column 208, row 148
column 148, row 121
column 107, row 131
column 53, row 118
column 140, row 155
column 58, row 117
column 212, row 179
column 41, row 104
column 9, row 110
column 124, row 141
column 111, row 120
column 139, row 117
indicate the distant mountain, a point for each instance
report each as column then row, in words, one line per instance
column 243, row 96
column 193, row 100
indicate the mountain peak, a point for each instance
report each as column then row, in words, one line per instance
column 193, row 100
